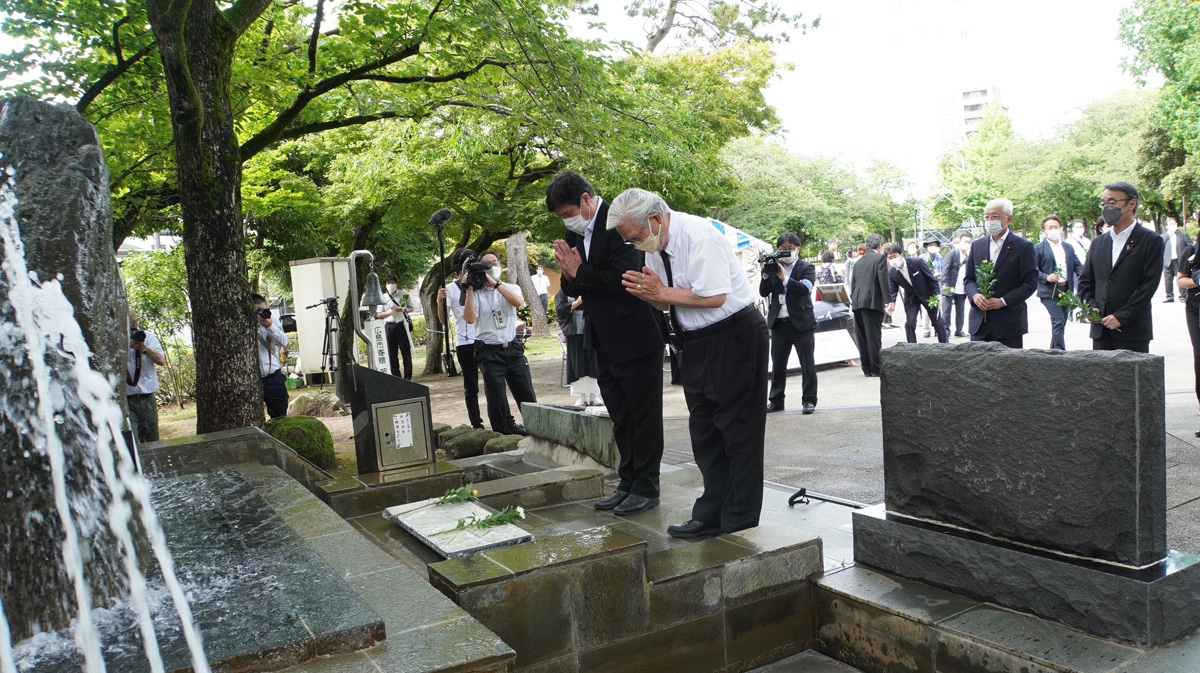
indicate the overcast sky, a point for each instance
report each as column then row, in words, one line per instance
column 879, row 78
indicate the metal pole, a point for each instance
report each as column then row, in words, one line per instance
column 354, row 293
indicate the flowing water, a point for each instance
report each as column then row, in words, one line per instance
column 41, row 335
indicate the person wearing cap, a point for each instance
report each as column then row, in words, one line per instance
column 691, row 271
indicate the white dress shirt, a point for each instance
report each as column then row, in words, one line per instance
column 464, row 332
column 270, row 340
column 488, row 300
column 541, row 283
column 148, row 381
column 1119, row 240
column 587, row 233
column 1060, row 257
column 996, row 245
column 787, row 273
column 702, row 261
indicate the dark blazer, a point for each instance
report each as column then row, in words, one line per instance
column 798, row 296
column 1016, row 280
column 622, row 326
column 869, row 282
column 1045, row 261
column 1182, row 240
column 923, row 286
column 953, row 267
column 1124, row 290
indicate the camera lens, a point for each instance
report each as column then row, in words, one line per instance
column 264, row 313
column 138, row 336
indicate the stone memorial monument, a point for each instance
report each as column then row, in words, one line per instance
column 1033, row 479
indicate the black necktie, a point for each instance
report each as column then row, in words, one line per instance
column 666, row 260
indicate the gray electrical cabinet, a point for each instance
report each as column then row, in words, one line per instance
column 401, row 433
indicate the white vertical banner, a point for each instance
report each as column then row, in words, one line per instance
column 378, row 356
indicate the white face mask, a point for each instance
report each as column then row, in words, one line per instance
column 1054, row 234
column 651, row 242
column 993, row 227
column 391, row 288
column 896, row 262
column 576, row 223
column 787, row 256
column 495, row 271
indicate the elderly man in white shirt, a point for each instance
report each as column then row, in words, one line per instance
column 691, row 271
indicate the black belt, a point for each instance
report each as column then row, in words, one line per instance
column 719, row 325
column 140, row 396
column 480, row 344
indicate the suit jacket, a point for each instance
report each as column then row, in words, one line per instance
column 923, row 286
column 798, row 296
column 869, row 287
column 1045, row 261
column 953, row 267
column 1124, row 290
column 1016, row 279
column 620, row 325
column 1182, row 240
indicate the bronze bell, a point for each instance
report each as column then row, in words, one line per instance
column 372, row 296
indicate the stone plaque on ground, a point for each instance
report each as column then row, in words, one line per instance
column 435, row 526
column 1065, row 451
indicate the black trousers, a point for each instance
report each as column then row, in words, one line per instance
column 1193, row 323
column 501, row 366
column 725, row 386
column 868, row 328
column 275, row 394
column 1170, row 272
column 470, row 377
column 397, row 340
column 959, row 305
column 1106, row 342
column 785, row 336
column 633, row 394
column 912, row 312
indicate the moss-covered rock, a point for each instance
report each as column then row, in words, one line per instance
column 502, row 443
column 319, row 403
column 469, row 443
column 306, row 436
column 438, row 429
column 446, row 435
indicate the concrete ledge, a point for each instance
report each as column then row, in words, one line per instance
column 1148, row 607
column 589, row 435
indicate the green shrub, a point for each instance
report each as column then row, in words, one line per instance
column 306, row 436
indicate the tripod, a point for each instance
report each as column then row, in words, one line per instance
column 329, row 349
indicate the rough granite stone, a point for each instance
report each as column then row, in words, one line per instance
column 587, row 434
column 1060, row 450
column 469, row 443
column 1147, row 607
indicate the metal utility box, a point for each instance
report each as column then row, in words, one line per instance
column 314, row 280
column 400, row 433
column 392, row 426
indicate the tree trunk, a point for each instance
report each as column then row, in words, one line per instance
column 434, row 347
column 197, row 53
column 518, row 272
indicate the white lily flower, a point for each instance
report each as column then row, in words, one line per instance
column 520, row 511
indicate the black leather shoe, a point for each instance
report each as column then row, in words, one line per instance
column 772, row 408
column 692, row 528
column 926, row 334
column 635, row 503
column 1169, row 301
column 809, row 408
column 611, row 501
column 518, row 430
column 960, row 333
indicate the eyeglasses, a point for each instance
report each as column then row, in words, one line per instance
column 1112, row 202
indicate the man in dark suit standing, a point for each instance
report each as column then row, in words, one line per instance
column 624, row 332
column 1121, row 274
column 1174, row 241
column 869, row 294
column 1002, row 317
column 791, row 319
column 953, row 294
column 919, row 283
column 1058, row 270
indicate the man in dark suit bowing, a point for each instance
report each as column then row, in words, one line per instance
column 791, row 320
column 1001, row 317
column 920, row 284
column 1121, row 274
column 1058, row 270
column 622, row 330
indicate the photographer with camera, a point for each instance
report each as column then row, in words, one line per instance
column 141, row 383
column 454, row 294
column 490, row 306
column 788, row 281
column 270, row 339
column 394, row 312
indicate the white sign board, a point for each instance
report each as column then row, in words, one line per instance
column 402, row 423
column 377, row 330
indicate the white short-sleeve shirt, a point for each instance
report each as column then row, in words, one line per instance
column 464, row 332
column 148, row 380
column 702, row 261
column 486, row 329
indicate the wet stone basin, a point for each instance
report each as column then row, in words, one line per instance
column 261, row 597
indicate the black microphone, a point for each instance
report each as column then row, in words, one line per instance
column 440, row 217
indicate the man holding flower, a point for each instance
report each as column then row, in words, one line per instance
column 998, row 302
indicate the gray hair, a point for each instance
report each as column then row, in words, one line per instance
column 1005, row 206
column 635, row 205
column 874, row 241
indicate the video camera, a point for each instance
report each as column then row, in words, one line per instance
column 138, row 336
column 477, row 272
column 264, row 313
column 770, row 263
